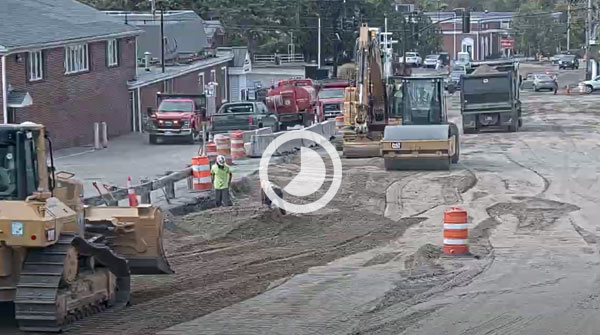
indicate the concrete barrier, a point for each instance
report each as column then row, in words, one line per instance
column 289, row 146
column 247, row 135
column 328, row 129
column 259, row 141
column 258, row 144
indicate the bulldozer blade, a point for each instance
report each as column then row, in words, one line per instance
column 361, row 150
column 138, row 235
column 417, row 164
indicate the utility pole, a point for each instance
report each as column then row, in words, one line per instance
column 385, row 54
column 569, row 25
column 588, row 35
column 319, row 42
column 162, row 38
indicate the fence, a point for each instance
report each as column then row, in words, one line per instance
column 259, row 140
column 283, row 58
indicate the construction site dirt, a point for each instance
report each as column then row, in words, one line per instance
column 370, row 262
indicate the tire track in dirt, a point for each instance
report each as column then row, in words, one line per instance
column 252, row 254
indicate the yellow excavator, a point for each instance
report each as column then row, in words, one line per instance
column 61, row 261
column 365, row 106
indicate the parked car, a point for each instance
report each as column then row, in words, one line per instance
column 456, row 73
column 412, row 58
column 543, row 82
column 568, row 61
column 445, row 57
column 554, row 59
column 464, row 59
column 432, row 61
column 244, row 115
column 590, row 86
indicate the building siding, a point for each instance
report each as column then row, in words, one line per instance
column 68, row 105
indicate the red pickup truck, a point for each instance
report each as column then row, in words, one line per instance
column 178, row 116
column 331, row 98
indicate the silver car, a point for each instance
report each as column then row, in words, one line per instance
column 543, row 82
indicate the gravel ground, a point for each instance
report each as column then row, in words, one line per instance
column 370, row 262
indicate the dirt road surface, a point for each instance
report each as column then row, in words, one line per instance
column 370, row 262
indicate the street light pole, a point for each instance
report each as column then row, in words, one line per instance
column 385, row 62
column 454, row 35
column 569, row 25
column 319, row 42
column 162, row 38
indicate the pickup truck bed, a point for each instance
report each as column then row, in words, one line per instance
column 242, row 116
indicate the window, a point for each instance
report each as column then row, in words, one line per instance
column 112, row 52
column 213, row 76
column 201, row 83
column 76, row 58
column 36, row 65
column 224, row 84
column 505, row 25
column 168, row 86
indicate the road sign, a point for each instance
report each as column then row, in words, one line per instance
column 507, row 43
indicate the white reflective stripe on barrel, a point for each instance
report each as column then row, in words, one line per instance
column 201, row 167
column 455, row 241
column 456, row 226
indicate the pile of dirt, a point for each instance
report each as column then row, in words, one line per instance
column 427, row 254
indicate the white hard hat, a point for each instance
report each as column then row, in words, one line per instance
column 221, row 160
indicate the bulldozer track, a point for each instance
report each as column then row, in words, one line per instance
column 38, row 291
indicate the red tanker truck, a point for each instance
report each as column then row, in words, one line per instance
column 294, row 101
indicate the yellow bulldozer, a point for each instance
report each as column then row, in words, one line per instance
column 60, row 260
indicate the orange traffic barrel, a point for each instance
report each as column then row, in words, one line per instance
column 237, row 146
column 339, row 121
column 201, row 173
column 224, row 147
column 211, row 151
column 456, row 232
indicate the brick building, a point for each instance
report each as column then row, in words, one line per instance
column 487, row 30
column 189, row 67
column 190, row 78
column 65, row 65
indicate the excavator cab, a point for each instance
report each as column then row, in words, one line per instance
column 425, row 139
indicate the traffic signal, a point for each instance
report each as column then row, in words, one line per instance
column 466, row 22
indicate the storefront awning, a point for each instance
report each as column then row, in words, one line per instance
column 19, row 99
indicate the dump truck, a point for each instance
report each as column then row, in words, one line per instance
column 61, row 261
column 489, row 98
column 424, row 140
column 294, row 101
column 178, row 116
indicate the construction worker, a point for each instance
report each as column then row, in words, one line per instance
column 265, row 199
column 221, row 175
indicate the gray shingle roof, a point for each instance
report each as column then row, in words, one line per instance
column 184, row 32
column 25, row 23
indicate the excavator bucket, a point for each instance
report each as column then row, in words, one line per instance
column 360, row 145
column 135, row 233
column 419, row 147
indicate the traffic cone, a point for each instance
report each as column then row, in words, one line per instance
column 133, row 201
